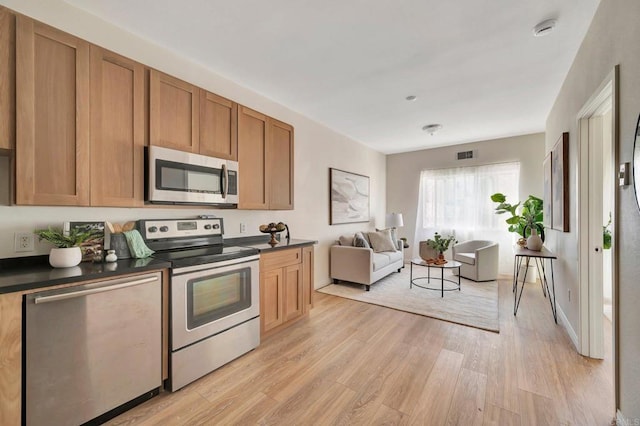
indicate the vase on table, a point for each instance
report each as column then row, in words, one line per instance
column 534, row 242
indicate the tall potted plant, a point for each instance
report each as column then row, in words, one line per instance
column 66, row 252
column 528, row 222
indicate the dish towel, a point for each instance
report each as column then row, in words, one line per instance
column 137, row 247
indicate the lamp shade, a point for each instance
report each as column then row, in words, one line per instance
column 394, row 220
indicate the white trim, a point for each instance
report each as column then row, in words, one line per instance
column 567, row 326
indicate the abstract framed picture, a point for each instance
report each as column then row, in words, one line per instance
column 93, row 247
column 547, row 210
column 349, row 197
column 560, row 184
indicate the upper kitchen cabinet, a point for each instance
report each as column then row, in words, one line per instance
column 252, row 159
column 7, row 79
column 174, row 113
column 52, row 104
column 265, row 157
column 117, row 130
column 218, row 126
column 280, row 165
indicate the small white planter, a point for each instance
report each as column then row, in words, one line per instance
column 65, row 257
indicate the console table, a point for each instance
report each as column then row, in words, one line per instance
column 523, row 255
column 451, row 264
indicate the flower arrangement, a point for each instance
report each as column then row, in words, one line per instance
column 441, row 244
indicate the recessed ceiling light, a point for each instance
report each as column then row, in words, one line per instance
column 544, row 28
column 432, row 128
column 411, row 98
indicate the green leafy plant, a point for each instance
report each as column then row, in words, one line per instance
column 529, row 217
column 76, row 236
column 606, row 235
column 441, row 244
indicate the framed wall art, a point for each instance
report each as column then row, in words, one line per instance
column 547, row 211
column 349, row 197
column 560, row 184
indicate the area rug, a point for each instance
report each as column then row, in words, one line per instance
column 475, row 305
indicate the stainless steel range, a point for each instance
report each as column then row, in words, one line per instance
column 214, row 295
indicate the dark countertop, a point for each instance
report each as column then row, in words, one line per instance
column 23, row 274
column 261, row 243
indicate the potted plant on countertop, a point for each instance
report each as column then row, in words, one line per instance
column 66, row 252
column 528, row 223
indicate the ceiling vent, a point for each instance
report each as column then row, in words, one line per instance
column 465, row 155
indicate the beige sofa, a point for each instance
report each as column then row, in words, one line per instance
column 479, row 259
column 362, row 265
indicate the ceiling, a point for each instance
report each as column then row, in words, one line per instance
column 474, row 65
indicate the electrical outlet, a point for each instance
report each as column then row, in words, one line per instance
column 243, row 228
column 24, row 241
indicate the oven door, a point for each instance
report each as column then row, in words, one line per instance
column 209, row 299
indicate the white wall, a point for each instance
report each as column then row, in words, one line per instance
column 612, row 39
column 403, row 170
column 316, row 149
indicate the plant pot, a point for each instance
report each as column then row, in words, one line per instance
column 534, row 242
column 426, row 252
column 65, row 257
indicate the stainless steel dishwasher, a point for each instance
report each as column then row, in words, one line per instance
column 90, row 349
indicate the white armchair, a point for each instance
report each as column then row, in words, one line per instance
column 479, row 259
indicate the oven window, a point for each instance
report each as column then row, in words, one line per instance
column 212, row 297
column 172, row 176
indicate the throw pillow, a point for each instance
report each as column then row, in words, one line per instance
column 394, row 233
column 381, row 241
column 359, row 240
column 346, row 240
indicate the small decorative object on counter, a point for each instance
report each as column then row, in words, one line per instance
column 111, row 256
column 67, row 251
column 273, row 229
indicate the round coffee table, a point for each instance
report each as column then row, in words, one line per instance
column 451, row 264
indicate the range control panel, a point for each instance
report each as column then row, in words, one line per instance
column 180, row 228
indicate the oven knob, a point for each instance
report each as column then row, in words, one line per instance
column 164, row 229
column 152, row 229
column 207, row 227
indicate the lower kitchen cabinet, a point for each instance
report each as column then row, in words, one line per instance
column 286, row 287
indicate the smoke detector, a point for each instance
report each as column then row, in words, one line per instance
column 544, row 28
column 432, row 128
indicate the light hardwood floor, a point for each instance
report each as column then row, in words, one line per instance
column 354, row 363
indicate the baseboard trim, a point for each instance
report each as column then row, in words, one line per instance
column 567, row 326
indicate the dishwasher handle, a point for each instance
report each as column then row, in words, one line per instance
column 80, row 293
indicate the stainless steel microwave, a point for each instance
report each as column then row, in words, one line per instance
column 178, row 177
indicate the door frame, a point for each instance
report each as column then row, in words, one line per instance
column 608, row 89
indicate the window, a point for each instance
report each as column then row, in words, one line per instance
column 457, row 201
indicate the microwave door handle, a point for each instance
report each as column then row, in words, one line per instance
column 224, row 176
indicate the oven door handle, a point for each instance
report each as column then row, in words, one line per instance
column 63, row 296
column 224, row 178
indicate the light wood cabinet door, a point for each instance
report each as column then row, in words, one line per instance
column 280, row 165
column 7, row 79
column 271, row 299
column 293, row 292
column 307, row 277
column 52, row 104
column 252, row 151
column 117, row 130
column 218, row 126
column 174, row 113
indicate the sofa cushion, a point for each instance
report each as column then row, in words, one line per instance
column 468, row 258
column 381, row 241
column 359, row 240
column 346, row 240
column 379, row 260
column 394, row 233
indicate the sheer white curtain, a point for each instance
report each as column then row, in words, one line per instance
column 457, row 201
